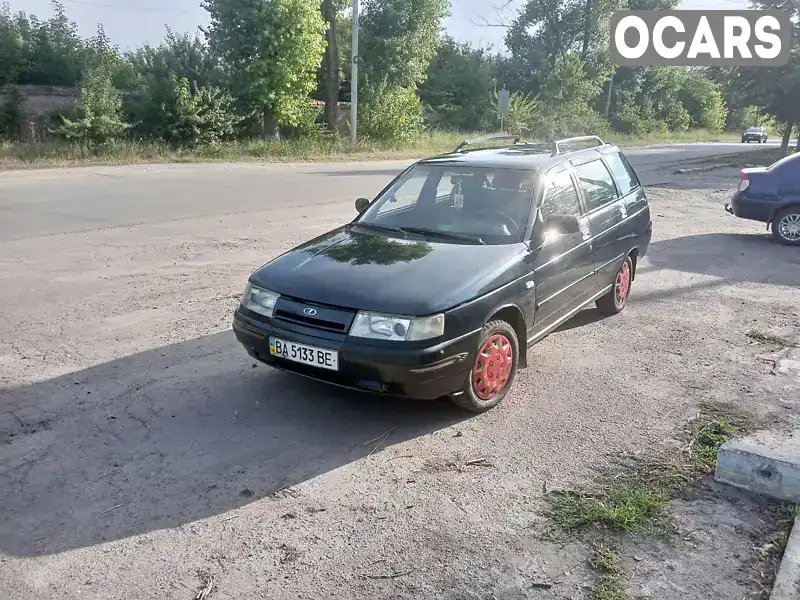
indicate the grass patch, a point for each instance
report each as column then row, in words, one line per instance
column 769, row 339
column 632, row 496
column 47, row 154
column 630, row 508
column 610, row 585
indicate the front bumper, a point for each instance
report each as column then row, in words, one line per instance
column 421, row 373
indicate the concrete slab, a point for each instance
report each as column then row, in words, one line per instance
column 787, row 583
column 766, row 463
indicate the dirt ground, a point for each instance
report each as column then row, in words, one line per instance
column 143, row 453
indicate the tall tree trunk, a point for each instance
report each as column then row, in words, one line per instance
column 271, row 130
column 787, row 135
column 332, row 67
column 587, row 30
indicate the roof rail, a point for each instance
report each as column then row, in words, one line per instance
column 582, row 138
column 490, row 138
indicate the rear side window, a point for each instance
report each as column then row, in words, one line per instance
column 623, row 173
column 560, row 197
column 597, row 184
column 792, row 161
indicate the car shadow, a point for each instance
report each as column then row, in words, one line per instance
column 173, row 435
column 741, row 258
column 585, row 317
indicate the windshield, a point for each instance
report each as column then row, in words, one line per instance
column 754, row 130
column 456, row 204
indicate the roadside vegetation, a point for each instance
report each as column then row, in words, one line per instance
column 631, row 499
column 269, row 90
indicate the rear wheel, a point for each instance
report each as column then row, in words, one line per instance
column 786, row 226
column 494, row 369
column 617, row 297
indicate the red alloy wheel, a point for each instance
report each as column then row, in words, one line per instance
column 622, row 285
column 492, row 367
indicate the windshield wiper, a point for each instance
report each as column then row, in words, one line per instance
column 381, row 227
column 445, row 234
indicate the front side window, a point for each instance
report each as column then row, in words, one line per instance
column 623, row 173
column 597, row 184
column 457, row 204
column 560, row 196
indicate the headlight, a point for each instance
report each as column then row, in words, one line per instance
column 259, row 300
column 388, row 327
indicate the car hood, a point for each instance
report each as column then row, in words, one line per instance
column 355, row 269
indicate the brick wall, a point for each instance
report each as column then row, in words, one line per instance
column 38, row 101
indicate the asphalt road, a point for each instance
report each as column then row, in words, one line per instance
column 50, row 202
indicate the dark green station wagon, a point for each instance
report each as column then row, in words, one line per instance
column 441, row 283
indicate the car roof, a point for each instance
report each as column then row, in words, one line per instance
column 520, row 155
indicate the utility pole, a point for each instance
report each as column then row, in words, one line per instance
column 354, row 79
column 608, row 99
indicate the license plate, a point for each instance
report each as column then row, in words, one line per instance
column 307, row 355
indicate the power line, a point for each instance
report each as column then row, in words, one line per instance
column 135, row 8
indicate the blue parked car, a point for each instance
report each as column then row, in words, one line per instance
column 771, row 195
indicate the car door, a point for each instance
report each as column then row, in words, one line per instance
column 605, row 213
column 563, row 266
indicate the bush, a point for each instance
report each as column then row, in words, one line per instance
column 100, row 109
column 12, row 117
column 390, row 113
column 198, row 117
column 576, row 120
column 522, row 111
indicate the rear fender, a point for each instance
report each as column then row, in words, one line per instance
column 778, row 209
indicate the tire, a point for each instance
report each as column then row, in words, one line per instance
column 786, row 226
column 498, row 340
column 616, row 299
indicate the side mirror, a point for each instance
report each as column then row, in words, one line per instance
column 564, row 223
column 361, row 205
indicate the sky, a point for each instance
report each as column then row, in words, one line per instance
column 130, row 23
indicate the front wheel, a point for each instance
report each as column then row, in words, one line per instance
column 494, row 369
column 617, row 297
column 786, row 226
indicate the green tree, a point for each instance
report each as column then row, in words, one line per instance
column 271, row 50
column 775, row 90
column 100, row 120
column 390, row 113
column 398, row 39
column 12, row 47
column 54, row 52
column 181, row 55
column 459, row 77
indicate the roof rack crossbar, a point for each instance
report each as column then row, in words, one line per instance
column 490, row 138
column 581, row 138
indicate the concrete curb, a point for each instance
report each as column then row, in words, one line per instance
column 766, row 463
column 787, row 583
